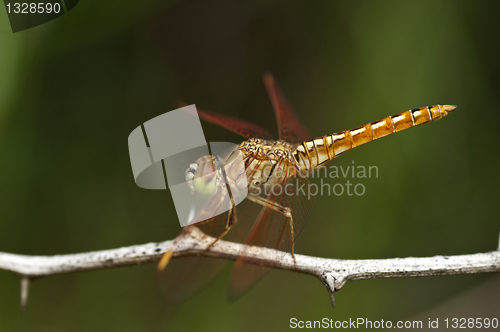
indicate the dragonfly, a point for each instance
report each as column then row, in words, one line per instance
column 272, row 218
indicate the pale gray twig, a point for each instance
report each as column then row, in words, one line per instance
column 334, row 273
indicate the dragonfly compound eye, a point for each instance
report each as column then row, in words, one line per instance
column 189, row 176
column 205, row 178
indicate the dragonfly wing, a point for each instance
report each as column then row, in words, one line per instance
column 290, row 127
column 240, row 127
column 185, row 276
column 271, row 229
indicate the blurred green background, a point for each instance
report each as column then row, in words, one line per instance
column 73, row 89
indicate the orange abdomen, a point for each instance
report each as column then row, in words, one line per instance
column 313, row 153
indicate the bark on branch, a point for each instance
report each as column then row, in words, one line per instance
column 334, row 273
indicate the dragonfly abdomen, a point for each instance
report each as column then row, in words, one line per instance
column 314, row 153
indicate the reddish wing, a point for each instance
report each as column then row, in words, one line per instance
column 271, row 228
column 290, row 127
column 240, row 127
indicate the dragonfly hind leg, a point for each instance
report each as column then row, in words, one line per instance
column 285, row 210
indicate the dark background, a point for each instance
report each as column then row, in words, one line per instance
column 73, row 89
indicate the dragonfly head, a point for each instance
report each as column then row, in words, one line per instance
column 203, row 176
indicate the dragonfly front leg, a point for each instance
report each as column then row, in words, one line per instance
column 231, row 220
column 285, row 210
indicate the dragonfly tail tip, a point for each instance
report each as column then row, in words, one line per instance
column 450, row 108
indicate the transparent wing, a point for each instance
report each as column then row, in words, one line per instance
column 185, row 276
column 272, row 229
column 291, row 129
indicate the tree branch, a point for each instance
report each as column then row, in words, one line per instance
column 334, row 273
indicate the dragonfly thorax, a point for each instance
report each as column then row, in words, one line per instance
column 267, row 163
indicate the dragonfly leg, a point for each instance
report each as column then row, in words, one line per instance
column 167, row 256
column 231, row 220
column 285, row 210
column 204, row 222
